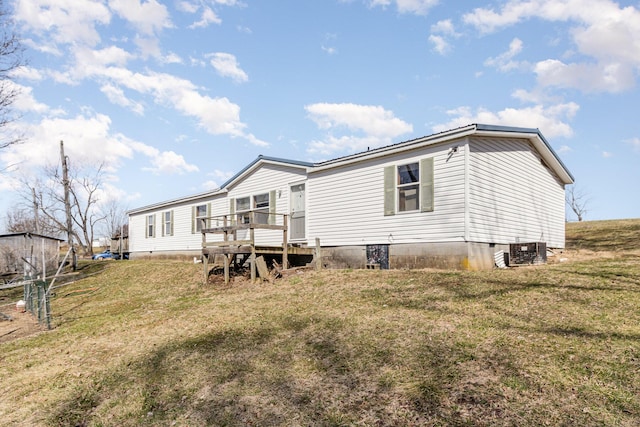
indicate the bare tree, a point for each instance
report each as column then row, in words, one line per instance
column 10, row 60
column 577, row 200
column 22, row 219
column 85, row 186
column 116, row 218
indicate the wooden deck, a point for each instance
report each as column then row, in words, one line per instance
column 230, row 246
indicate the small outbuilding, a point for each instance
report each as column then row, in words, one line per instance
column 29, row 254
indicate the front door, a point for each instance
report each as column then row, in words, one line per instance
column 297, row 222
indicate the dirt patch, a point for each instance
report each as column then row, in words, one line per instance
column 21, row 325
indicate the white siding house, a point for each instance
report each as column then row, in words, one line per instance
column 447, row 200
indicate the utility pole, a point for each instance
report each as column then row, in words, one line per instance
column 35, row 210
column 67, row 205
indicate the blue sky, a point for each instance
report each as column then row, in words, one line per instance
column 175, row 97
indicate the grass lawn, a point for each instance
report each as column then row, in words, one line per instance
column 146, row 343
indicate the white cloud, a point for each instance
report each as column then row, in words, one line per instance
column 635, row 143
column 418, row 7
column 148, row 17
column 217, row 116
column 209, row 185
column 601, row 77
column 62, row 21
column 606, row 35
column 116, row 95
column 149, row 47
column 504, row 62
column 219, row 177
column 444, row 27
column 90, row 62
column 24, row 100
column 208, row 17
column 438, row 32
column 187, row 6
column 169, row 163
column 376, row 126
column 329, row 50
column 171, row 58
column 607, row 154
column 564, row 149
column 88, row 139
column 439, row 43
column 227, row 65
column 27, row 73
column 552, row 121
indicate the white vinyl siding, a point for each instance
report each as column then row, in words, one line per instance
column 357, row 217
column 183, row 237
column 273, row 180
column 513, row 196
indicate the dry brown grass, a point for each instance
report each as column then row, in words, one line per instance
column 150, row 345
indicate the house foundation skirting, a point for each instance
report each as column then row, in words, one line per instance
column 442, row 255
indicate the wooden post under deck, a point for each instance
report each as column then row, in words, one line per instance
column 230, row 247
column 285, row 244
column 205, row 261
column 252, row 237
column 226, row 256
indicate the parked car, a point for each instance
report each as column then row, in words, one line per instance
column 103, row 255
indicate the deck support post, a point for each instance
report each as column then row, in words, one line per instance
column 205, row 260
column 225, row 258
column 285, row 244
column 205, row 263
column 252, row 260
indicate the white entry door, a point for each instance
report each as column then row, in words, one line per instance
column 297, row 222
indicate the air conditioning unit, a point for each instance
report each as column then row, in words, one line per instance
column 527, row 253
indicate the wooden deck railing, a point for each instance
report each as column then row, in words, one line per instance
column 229, row 225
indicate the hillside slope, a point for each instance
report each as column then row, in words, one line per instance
column 610, row 235
column 147, row 343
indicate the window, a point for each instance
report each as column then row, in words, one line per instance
column 199, row 213
column 167, row 223
column 242, row 209
column 261, row 208
column 408, row 187
column 150, row 226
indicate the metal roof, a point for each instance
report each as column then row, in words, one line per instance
column 28, row 234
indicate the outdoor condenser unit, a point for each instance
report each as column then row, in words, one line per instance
column 527, row 253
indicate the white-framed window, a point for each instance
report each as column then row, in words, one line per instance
column 167, row 223
column 150, row 226
column 243, row 206
column 261, row 208
column 199, row 213
column 409, row 187
column 408, row 182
